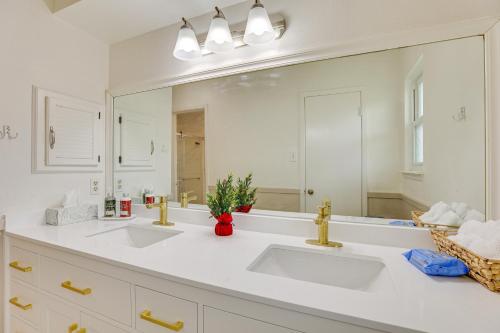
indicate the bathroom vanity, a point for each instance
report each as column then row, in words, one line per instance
column 112, row 277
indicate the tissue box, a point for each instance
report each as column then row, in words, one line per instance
column 69, row 215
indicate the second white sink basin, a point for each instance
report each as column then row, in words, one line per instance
column 335, row 269
column 135, row 236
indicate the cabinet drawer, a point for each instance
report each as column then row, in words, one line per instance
column 23, row 265
column 19, row 326
column 217, row 321
column 24, row 303
column 100, row 293
column 157, row 312
column 94, row 325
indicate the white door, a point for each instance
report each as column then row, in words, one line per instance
column 333, row 152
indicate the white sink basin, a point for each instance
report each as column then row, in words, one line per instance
column 329, row 268
column 134, row 236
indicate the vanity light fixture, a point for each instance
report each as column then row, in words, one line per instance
column 187, row 46
column 219, row 39
column 259, row 29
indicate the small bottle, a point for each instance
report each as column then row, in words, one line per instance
column 109, row 205
column 125, row 206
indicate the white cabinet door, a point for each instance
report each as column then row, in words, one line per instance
column 19, row 326
column 94, row 325
column 217, row 321
column 137, row 145
column 68, row 133
column 59, row 316
column 159, row 313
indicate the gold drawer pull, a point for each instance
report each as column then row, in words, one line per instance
column 67, row 285
column 146, row 315
column 15, row 301
column 15, row 265
column 74, row 327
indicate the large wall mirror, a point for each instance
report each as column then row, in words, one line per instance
column 381, row 134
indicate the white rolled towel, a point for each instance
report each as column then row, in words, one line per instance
column 450, row 218
column 490, row 230
column 471, row 227
column 436, row 211
column 473, row 214
column 460, row 208
column 464, row 240
column 487, row 248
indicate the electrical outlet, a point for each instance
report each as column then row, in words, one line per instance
column 95, row 186
column 119, row 185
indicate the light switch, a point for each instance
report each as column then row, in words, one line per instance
column 292, row 156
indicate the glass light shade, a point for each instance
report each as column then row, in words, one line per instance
column 187, row 46
column 259, row 29
column 219, row 39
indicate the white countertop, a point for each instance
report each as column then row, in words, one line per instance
column 199, row 258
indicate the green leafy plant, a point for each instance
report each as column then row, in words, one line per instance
column 223, row 200
column 245, row 196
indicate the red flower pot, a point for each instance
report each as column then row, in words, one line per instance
column 224, row 227
column 244, row 209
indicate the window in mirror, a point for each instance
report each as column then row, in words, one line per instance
column 418, row 121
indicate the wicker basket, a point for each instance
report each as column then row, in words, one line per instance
column 485, row 271
column 415, row 215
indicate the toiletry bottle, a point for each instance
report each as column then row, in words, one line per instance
column 125, row 206
column 109, row 205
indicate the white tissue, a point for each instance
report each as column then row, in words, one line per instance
column 71, row 199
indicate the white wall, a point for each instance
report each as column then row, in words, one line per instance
column 253, row 119
column 454, row 151
column 157, row 105
column 147, row 59
column 39, row 49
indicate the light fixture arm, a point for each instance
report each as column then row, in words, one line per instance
column 186, row 24
column 257, row 4
column 219, row 13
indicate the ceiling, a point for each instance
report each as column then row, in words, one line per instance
column 115, row 20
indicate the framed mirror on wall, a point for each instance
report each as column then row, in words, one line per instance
column 382, row 134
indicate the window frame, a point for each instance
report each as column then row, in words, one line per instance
column 417, row 119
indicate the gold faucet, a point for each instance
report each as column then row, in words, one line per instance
column 185, row 199
column 322, row 220
column 163, row 212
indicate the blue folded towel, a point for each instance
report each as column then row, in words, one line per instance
column 435, row 263
column 403, row 223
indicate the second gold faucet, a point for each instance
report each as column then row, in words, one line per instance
column 163, row 205
column 322, row 220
